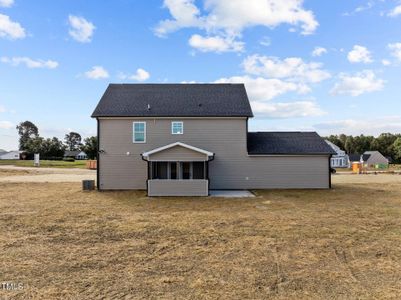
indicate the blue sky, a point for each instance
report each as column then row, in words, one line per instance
column 329, row 66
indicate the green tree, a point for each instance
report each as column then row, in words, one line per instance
column 26, row 131
column 90, row 147
column 34, row 145
column 384, row 144
column 73, row 141
column 349, row 145
column 52, row 148
column 397, row 150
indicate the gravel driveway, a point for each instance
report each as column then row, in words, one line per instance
column 47, row 174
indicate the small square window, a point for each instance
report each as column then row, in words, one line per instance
column 177, row 127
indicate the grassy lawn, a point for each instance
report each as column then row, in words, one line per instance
column 46, row 163
column 63, row 243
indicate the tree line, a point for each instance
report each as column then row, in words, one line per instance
column 30, row 142
column 387, row 144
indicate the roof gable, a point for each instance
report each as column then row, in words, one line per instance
column 174, row 100
column 175, row 145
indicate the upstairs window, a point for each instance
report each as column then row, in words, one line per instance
column 177, row 127
column 139, row 132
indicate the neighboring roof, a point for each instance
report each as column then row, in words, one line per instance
column 174, row 100
column 354, row 157
column 146, row 154
column 365, row 156
column 332, row 145
column 292, row 143
column 372, row 152
column 71, row 153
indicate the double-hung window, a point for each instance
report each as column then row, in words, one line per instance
column 177, row 127
column 139, row 132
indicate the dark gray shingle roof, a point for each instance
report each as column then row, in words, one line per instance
column 71, row 153
column 354, row 157
column 287, row 143
column 174, row 100
column 365, row 157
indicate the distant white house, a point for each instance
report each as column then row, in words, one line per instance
column 10, row 155
column 76, row 154
column 340, row 159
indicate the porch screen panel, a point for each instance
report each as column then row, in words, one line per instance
column 198, row 170
column 159, row 170
column 173, row 170
column 186, row 170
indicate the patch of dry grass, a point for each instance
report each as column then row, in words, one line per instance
column 64, row 243
column 10, row 172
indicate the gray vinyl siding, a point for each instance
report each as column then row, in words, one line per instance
column 178, row 188
column 232, row 168
column 178, row 153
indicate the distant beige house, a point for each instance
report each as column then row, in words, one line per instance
column 373, row 158
column 185, row 139
column 369, row 158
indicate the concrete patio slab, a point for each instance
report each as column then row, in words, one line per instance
column 231, row 193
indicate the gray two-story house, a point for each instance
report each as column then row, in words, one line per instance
column 185, row 139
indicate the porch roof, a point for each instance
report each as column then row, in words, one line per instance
column 207, row 154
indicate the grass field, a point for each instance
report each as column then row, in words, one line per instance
column 46, row 163
column 344, row 243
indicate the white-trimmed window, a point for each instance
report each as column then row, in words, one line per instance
column 139, row 129
column 177, row 127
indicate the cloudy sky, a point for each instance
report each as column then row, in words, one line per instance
column 329, row 66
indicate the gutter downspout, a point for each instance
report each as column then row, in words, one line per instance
column 147, row 180
column 330, row 170
column 98, row 156
column 208, row 180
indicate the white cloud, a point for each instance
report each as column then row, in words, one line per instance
column 262, row 89
column 319, row 51
column 293, row 68
column 228, row 19
column 29, row 62
column 10, row 29
column 267, row 78
column 395, row 12
column 265, row 41
column 140, row 75
column 368, row 5
column 6, row 125
column 81, row 30
column 2, row 109
column 215, row 44
column 6, row 3
column 360, row 54
column 358, row 84
column 97, row 72
column 369, row 126
column 287, row 109
column 395, row 50
column 386, row 62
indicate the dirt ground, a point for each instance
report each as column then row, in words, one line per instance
column 31, row 174
column 61, row 243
